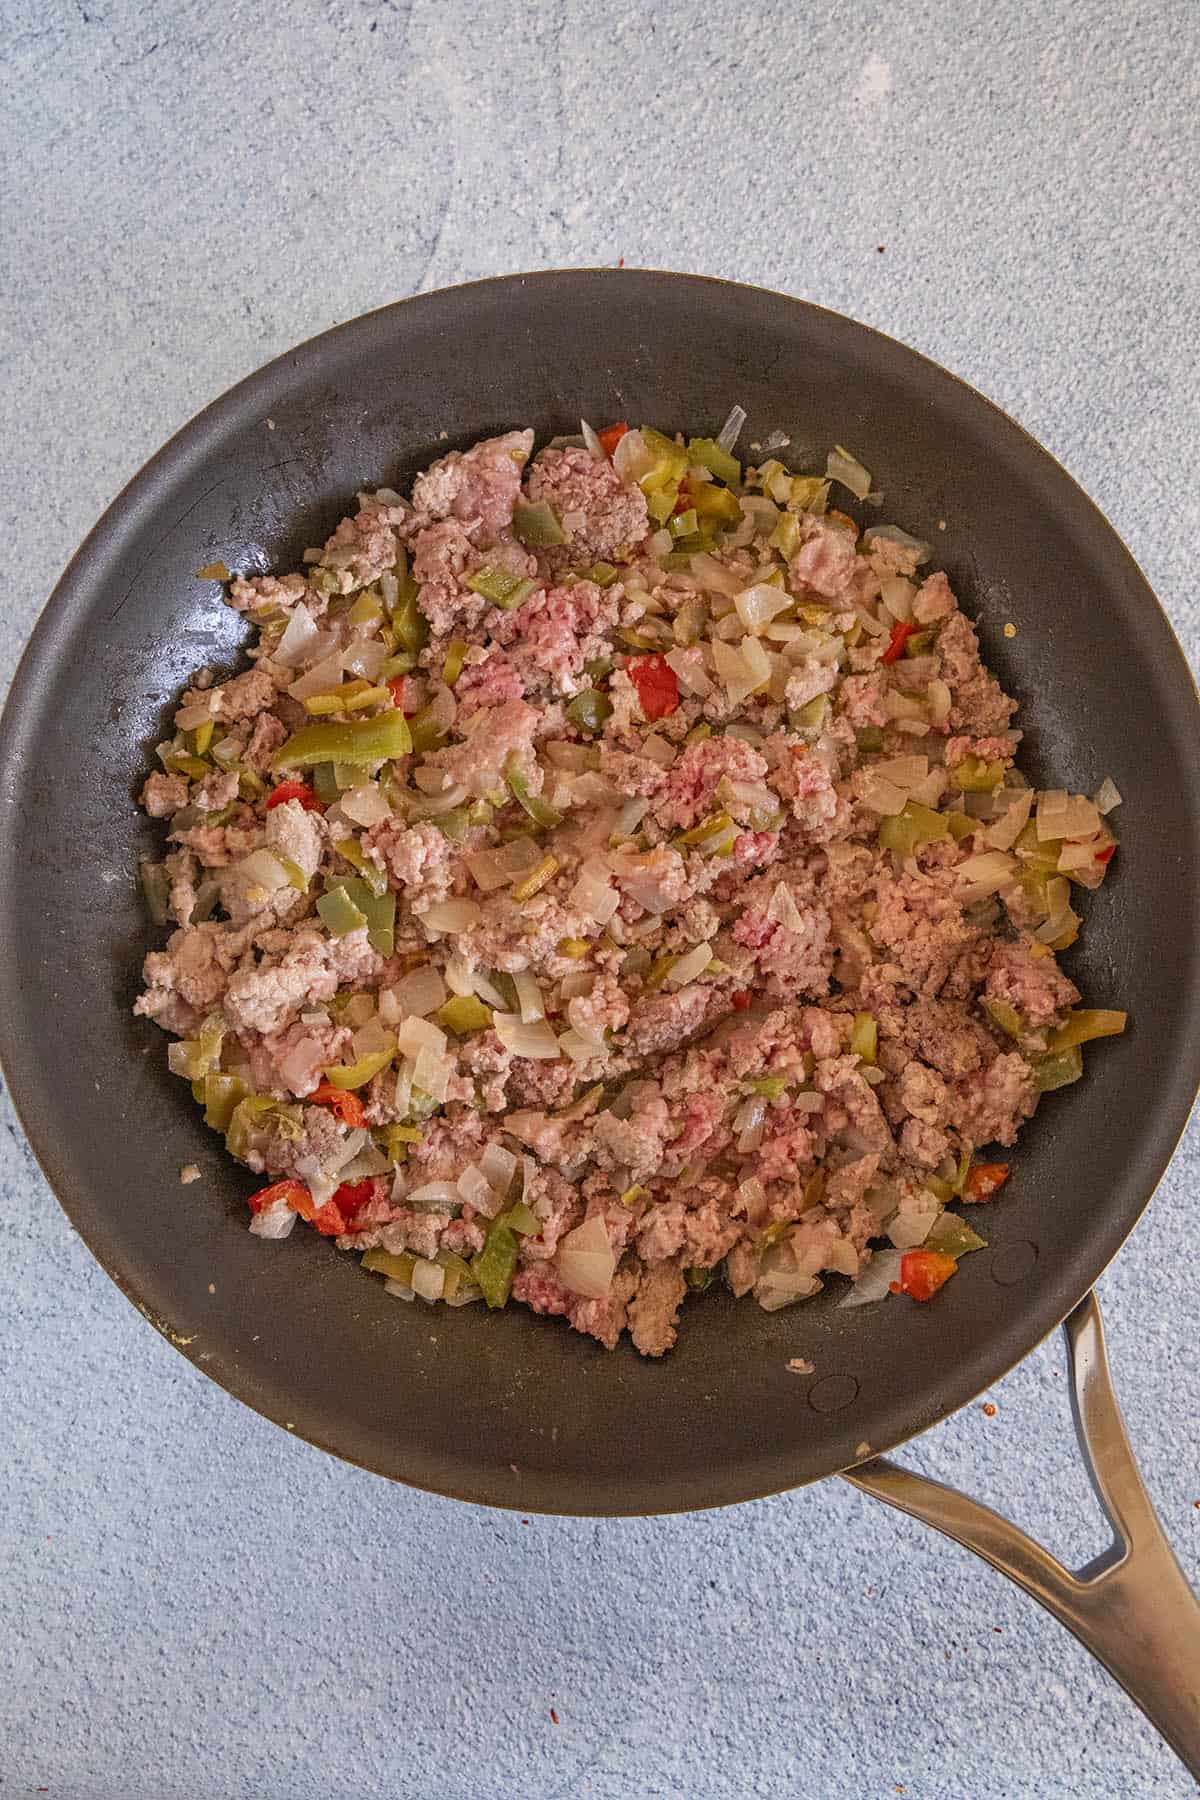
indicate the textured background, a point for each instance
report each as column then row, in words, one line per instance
column 197, row 1607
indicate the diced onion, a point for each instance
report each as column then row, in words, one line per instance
column 689, row 966
column 983, row 875
column 261, row 869
column 492, row 869
column 451, row 915
column 1008, row 828
column 807, row 1103
column 428, row 1279
column 659, row 543
column 297, row 640
column 1107, row 796
column 398, row 1290
column 365, row 805
column 431, row 1073
column 658, row 750
column 731, row 430
column 581, row 1049
column 841, row 466
column 783, row 909
column 630, row 817
column 913, row 1223
column 691, row 676
column 757, row 605
column 274, row 1221
column 875, row 1281
column 322, row 678
column 371, row 1038
column 529, row 995
column 1063, row 815
column 364, row 657
column 537, row 1041
column 632, row 458
column 881, row 796
column 477, row 1191
column 714, row 576
column 592, row 442
column 749, row 1123
column 434, row 1196
column 499, row 1166
column 416, row 1035
column 460, row 977
column 585, row 1259
column 594, row 893
column 420, row 992
column 940, row 700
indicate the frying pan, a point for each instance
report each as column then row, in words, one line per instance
column 509, row 1409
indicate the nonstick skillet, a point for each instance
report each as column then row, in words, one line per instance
column 509, row 1409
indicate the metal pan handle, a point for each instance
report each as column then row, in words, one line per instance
column 1131, row 1606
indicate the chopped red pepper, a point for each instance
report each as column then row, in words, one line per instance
column 1106, row 855
column 297, row 1197
column 294, row 790
column 347, row 1106
column 741, row 1000
column 396, row 690
column 657, row 685
column 352, row 1196
column 984, row 1179
column 611, row 436
column 902, row 630
column 922, row 1273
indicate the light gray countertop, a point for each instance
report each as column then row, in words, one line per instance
column 197, row 1607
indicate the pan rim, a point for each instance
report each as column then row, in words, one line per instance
column 1148, row 1159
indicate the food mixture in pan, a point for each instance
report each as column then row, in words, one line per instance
column 612, row 876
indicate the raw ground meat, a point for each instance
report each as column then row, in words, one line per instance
column 634, row 971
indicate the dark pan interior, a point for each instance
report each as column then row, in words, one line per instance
column 510, row 1409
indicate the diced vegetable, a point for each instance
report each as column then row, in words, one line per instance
column 1059, row 1069
column 657, row 685
column 708, row 454
column 536, row 879
column 538, row 809
column 1005, row 1016
column 346, row 1105
column 917, row 824
column 588, row 710
column 611, row 436
column 339, row 912
column 464, row 1013
column 534, row 524
column 361, row 742
column 902, row 630
column 974, row 776
column 493, row 1267
column 952, row 1236
column 864, row 1038
column 222, row 1094
column 295, row 1195
column 348, row 1076
column 984, row 1179
column 502, row 587
column 1082, row 1026
column 922, row 1273
column 395, row 1267
column 452, row 666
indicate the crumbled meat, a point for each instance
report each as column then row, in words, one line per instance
column 603, row 518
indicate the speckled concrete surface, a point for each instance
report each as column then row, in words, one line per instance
column 198, row 1608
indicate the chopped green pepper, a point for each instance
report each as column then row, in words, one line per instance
column 351, row 851
column 401, row 664
column 339, row 912
column 221, row 1094
column 711, row 827
column 717, row 504
column 602, row 573
column 918, row 642
column 536, row 879
column 378, row 910
column 463, row 1013
column 501, row 586
column 864, row 1038
column 706, row 453
column 252, row 1112
column 538, row 809
column 684, row 524
column 1086, row 1023
column 942, row 1190
column 786, row 536
column 350, row 741
column 699, row 1279
column 425, row 732
column 975, row 776
column 1004, row 1016
column 367, row 608
column 809, row 717
column 411, row 625
column 1059, row 1069
column 458, row 1272
column 357, row 1074
column 324, row 784
column 917, row 824
column 951, row 1236
column 771, row 1087
column 493, row 1267
column 869, row 739
column 588, row 710
column 396, row 1267
column 181, row 762
column 535, row 524
column 657, row 973
column 523, row 1220
column 961, row 825
column 295, row 874
column 452, row 667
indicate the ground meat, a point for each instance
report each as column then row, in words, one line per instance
column 696, row 1117
column 654, row 1308
column 604, row 519
column 480, row 486
column 164, row 795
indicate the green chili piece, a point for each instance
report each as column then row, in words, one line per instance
column 357, row 1074
column 521, row 1219
column 464, row 1013
column 339, row 912
column 1059, row 1069
column 452, row 667
column 1005, row 1017
column 708, row 454
column 222, row 1094
column 869, row 739
column 915, row 825
column 351, row 851
column 864, row 1039
column 350, row 741
column 602, row 573
column 493, row 1267
column 951, row 1236
column 324, row 784
column 535, row 524
column 378, row 911
column 589, row 710
column 396, row 1267
column 538, row 809
column 975, row 776
column 1087, row 1023
column 501, row 587
column 699, row 1279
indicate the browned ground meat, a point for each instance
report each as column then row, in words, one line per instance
column 708, row 926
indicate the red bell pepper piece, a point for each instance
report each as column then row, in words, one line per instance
column 984, row 1179
column 611, row 436
column 741, row 1000
column 1106, row 855
column 294, row 790
column 297, row 1197
column 352, row 1196
column 902, row 630
column 657, row 685
column 396, row 690
column 922, row 1273
column 347, row 1106
column 328, row 1219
